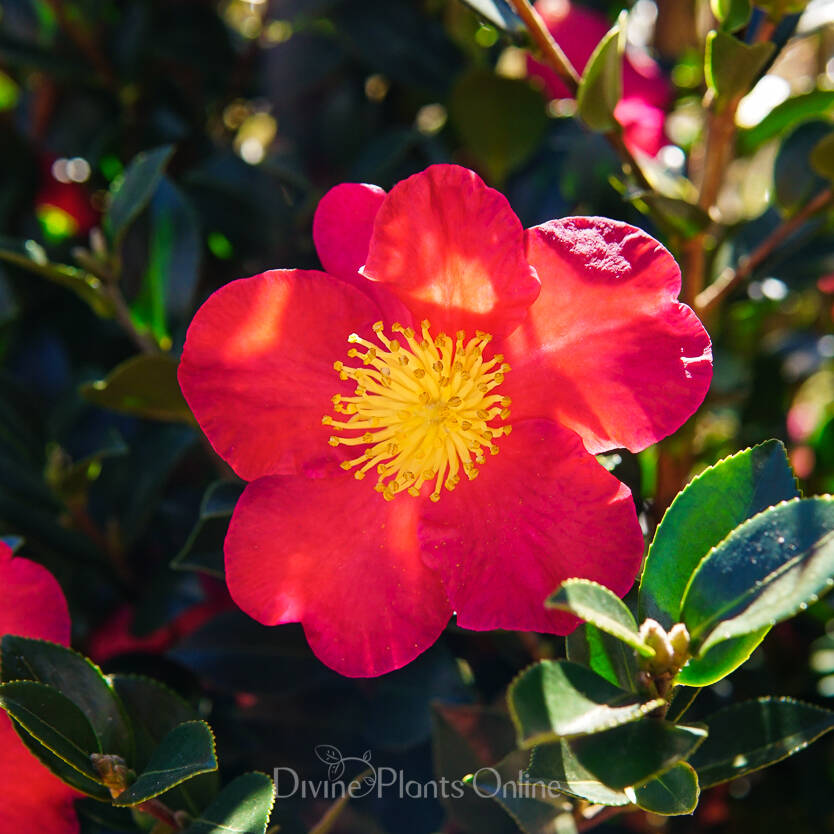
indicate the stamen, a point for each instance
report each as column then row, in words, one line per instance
column 423, row 407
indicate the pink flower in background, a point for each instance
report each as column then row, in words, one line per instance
column 31, row 605
column 437, row 317
column 646, row 91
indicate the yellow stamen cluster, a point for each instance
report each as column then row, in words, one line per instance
column 423, row 406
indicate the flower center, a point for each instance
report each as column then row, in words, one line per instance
column 423, row 408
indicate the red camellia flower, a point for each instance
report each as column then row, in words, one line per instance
column 362, row 403
column 31, row 605
column 646, row 91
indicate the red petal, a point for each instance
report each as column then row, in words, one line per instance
column 452, row 250
column 331, row 553
column 607, row 350
column 31, row 605
column 644, row 126
column 342, row 227
column 541, row 511
column 257, row 367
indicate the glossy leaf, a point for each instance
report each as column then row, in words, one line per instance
column 187, row 751
column 732, row 14
column 822, row 157
column 720, row 660
column 672, row 793
column 732, row 66
column 764, row 572
column 243, row 807
column 633, row 754
column 795, row 181
column 786, row 116
column 556, row 699
column 143, row 386
column 54, row 721
column 557, row 763
column 135, row 190
column 203, row 550
column 752, row 735
column 499, row 13
column 500, row 120
column 601, row 85
column 606, row 655
column 75, row 677
column 595, row 604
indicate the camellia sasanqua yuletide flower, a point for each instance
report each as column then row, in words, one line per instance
column 647, row 92
column 31, row 605
column 369, row 408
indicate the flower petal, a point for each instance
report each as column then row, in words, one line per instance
column 257, row 367
column 607, row 350
column 452, row 250
column 542, row 511
column 331, row 553
column 32, row 603
column 643, row 125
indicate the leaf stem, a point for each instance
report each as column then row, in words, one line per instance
column 160, row 811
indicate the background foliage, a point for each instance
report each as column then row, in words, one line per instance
column 217, row 126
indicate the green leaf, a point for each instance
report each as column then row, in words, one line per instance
column 749, row 736
column 633, row 754
column 777, row 9
column 606, row 655
column 154, row 711
column 84, row 284
column 601, row 85
column 774, row 565
column 700, row 517
column 135, row 189
column 677, row 215
column 716, row 663
column 500, row 120
column 786, row 116
column 731, row 66
column 672, row 793
column 78, row 679
column 173, row 263
column 557, row 698
column 499, row 13
column 601, row 607
column 557, row 763
column 203, row 551
column 822, row 157
column 243, row 807
column 54, row 721
column 142, row 386
column 187, row 751
column 732, row 14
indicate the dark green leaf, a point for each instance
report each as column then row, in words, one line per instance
column 755, row 734
column 498, row 13
column 556, row 763
column 786, row 116
column 732, row 14
column 84, row 284
column 795, row 181
column 203, row 551
column 243, row 807
column 78, row 679
column 672, row 793
column 632, row 754
column 500, row 120
column 154, row 711
column 606, row 655
column 601, row 85
column 732, row 66
column 599, row 606
column 54, row 721
column 822, row 157
column 557, row 698
column 677, row 215
column 136, row 189
column 187, row 751
column 764, row 572
column 143, row 386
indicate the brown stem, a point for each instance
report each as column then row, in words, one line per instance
column 549, row 48
column 121, row 312
column 710, row 298
column 160, row 811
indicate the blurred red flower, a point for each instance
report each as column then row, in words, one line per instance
column 452, row 312
column 646, row 91
column 31, row 605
